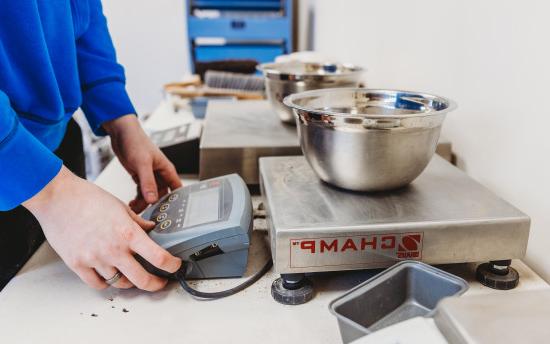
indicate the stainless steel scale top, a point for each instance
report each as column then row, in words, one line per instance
column 444, row 216
column 250, row 123
column 237, row 133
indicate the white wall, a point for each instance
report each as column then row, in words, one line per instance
column 150, row 38
column 492, row 57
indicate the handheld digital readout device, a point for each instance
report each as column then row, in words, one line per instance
column 208, row 225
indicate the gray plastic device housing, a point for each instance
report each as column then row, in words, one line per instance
column 229, row 236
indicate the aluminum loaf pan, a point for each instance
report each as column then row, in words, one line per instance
column 406, row 290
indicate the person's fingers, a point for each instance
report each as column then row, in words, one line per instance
column 147, row 183
column 163, row 191
column 168, row 173
column 91, row 278
column 138, row 204
column 145, row 224
column 133, row 205
column 154, row 254
column 138, row 276
column 110, row 272
column 123, row 283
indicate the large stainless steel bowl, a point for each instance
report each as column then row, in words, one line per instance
column 368, row 140
column 283, row 79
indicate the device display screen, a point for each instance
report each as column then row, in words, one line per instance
column 202, row 207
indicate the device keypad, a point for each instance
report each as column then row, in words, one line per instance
column 167, row 219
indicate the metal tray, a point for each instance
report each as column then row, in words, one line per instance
column 405, row 290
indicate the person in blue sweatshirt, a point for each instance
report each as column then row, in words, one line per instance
column 57, row 56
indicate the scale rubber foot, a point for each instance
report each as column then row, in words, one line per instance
column 497, row 276
column 295, row 296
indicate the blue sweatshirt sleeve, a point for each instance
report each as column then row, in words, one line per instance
column 26, row 165
column 102, row 78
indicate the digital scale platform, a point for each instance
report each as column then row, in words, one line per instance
column 207, row 225
column 443, row 217
column 236, row 134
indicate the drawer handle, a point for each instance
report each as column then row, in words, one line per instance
column 238, row 24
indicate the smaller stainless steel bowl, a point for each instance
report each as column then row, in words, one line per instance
column 283, row 79
column 368, row 140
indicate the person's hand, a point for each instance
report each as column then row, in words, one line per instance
column 153, row 173
column 96, row 234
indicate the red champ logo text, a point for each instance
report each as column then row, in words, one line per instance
column 405, row 246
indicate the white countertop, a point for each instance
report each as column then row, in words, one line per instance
column 47, row 303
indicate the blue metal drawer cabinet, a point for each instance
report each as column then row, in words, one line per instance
column 243, row 29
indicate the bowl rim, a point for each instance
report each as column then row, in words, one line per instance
column 289, row 101
column 270, row 72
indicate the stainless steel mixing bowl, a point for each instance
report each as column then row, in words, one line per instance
column 283, row 79
column 368, row 140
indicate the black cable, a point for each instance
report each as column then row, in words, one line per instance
column 180, row 276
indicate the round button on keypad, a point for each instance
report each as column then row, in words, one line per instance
column 165, row 224
column 161, row 217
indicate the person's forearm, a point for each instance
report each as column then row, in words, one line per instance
column 41, row 200
column 121, row 124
